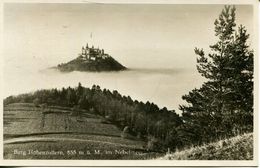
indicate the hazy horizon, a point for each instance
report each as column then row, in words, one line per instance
column 160, row 38
column 138, row 36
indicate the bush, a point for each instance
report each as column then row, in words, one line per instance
column 125, row 132
column 36, row 102
column 154, row 144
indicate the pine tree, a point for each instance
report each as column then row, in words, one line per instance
column 224, row 104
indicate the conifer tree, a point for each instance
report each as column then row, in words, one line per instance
column 223, row 106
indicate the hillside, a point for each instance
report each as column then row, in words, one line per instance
column 78, row 64
column 143, row 121
column 30, row 133
column 236, row 148
column 91, row 59
column 25, row 118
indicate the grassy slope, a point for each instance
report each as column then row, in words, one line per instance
column 23, row 121
column 236, row 148
column 24, row 118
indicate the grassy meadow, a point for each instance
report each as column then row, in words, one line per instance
column 24, row 119
column 67, row 136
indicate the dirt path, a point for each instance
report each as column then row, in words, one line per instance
column 56, row 139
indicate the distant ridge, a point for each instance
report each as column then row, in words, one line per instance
column 92, row 59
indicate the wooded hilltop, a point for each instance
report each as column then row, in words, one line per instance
column 92, row 59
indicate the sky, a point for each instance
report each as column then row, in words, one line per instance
column 37, row 36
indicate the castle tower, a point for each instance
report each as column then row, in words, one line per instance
column 87, row 51
column 83, row 51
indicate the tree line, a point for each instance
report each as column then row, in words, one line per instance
column 221, row 107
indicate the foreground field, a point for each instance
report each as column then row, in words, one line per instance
column 31, row 134
column 236, row 148
column 60, row 146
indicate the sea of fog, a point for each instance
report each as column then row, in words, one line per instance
column 164, row 87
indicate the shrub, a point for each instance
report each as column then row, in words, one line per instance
column 153, row 144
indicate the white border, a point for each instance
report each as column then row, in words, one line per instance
column 254, row 162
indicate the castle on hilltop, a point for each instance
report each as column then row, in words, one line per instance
column 91, row 59
column 92, row 54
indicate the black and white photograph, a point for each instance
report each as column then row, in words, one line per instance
column 129, row 81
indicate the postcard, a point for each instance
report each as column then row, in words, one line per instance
column 129, row 83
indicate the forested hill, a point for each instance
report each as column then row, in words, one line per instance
column 78, row 64
column 92, row 59
column 143, row 120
